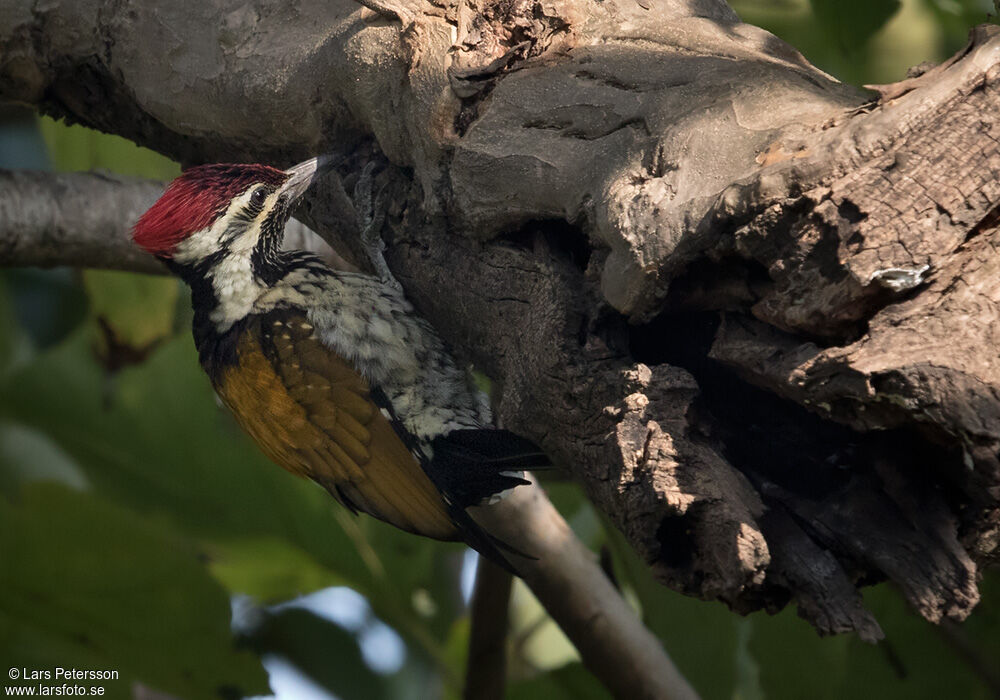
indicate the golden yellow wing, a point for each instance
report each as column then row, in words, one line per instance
column 312, row 413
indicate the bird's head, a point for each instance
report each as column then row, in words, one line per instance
column 214, row 211
column 220, row 228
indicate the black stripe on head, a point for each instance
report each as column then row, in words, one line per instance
column 195, row 200
column 198, row 278
column 255, row 205
column 266, row 260
column 244, row 217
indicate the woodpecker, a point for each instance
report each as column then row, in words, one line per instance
column 332, row 373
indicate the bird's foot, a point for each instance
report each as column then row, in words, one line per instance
column 370, row 205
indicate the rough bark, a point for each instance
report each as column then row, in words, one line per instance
column 752, row 309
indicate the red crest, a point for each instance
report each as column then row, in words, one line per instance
column 196, row 199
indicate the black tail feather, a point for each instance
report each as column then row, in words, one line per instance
column 493, row 446
column 493, row 548
column 471, row 466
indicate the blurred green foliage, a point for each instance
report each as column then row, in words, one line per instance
column 761, row 656
column 75, row 147
column 869, row 41
column 87, row 584
column 133, row 510
column 849, row 24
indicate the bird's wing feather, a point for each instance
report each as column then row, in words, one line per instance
column 312, row 413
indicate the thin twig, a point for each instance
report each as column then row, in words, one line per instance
column 980, row 664
column 486, row 669
column 566, row 578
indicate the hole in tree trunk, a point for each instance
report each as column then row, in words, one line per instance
column 559, row 236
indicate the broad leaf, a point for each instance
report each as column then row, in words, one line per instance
column 571, row 682
column 135, row 312
column 86, row 584
column 323, row 651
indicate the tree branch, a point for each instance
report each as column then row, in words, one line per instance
column 733, row 312
column 486, row 669
column 78, row 219
column 565, row 577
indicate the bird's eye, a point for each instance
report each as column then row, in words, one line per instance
column 258, row 196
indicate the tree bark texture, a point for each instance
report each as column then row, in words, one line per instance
column 752, row 309
column 76, row 219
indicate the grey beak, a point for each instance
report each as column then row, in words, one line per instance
column 301, row 176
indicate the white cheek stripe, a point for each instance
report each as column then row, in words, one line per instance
column 236, row 288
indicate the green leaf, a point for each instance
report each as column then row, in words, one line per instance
column 747, row 686
column 268, row 568
column 851, row 23
column 160, row 443
column 915, row 660
column 137, row 309
column 782, row 657
column 86, row 584
column 47, row 304
column 322, row 650
column 457, row 644
column 956, row 18
column 794, row 662
column 571, row 682
column 15, row 348
column 28, row 455
column 535, row 635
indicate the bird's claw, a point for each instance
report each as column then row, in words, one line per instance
column 371, row 206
